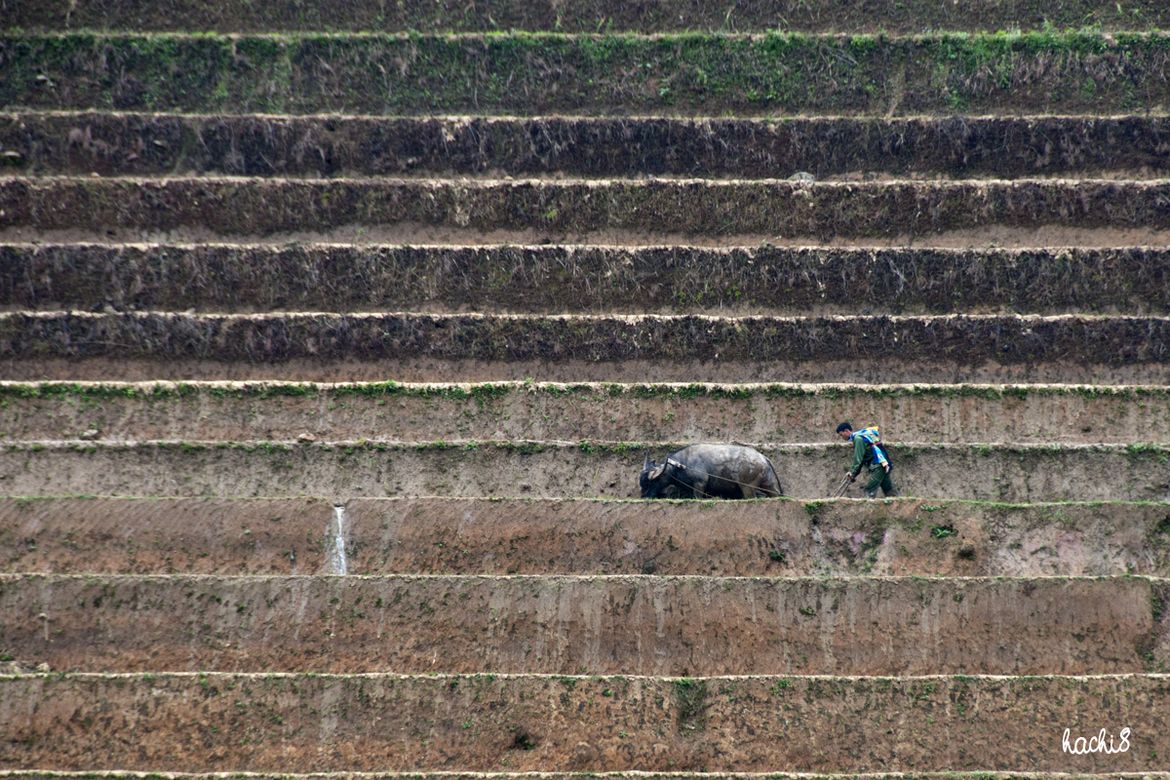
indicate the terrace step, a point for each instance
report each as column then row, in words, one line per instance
column 579, row 210
column 606, row 625
column 36, row 774
column 298, row 723
column 137, row 144
column 344, row 470
column 39, row 774
column 264, row 536
column 588, row 16
column 232, row 411
column 946, row 145
column 588, row 279
column 654, row 348
column 42, row 774
column 537, row 74
column 842, row 538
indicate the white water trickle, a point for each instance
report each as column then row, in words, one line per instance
column 336, row 545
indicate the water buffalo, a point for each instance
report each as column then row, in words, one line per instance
column 711, row 471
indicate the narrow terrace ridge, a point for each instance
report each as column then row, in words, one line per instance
column 325, row 723
column 588, row 279
column 423, row 347
column 838, row 538
column 991, row 236
column 137, row 144
column 536, row 74
column 45, row 774
column 557, row 469
column 777, row 412
column 725, row 209
column 606, row 624
column 583, row 16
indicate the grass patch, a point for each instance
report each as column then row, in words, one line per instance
column 690, row 699
column 520, row 72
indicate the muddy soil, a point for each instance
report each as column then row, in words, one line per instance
column 119, row 143
column 37, row 774
column 574, row 371
column 609, row 625
column 166, row 722
column 423, row 370
column 342, row 471
column 197, row 536
column 879, row 210
column 792, row 414
column 762, row 280
column 1038, row 237
column 579, row 536
column 402, row 346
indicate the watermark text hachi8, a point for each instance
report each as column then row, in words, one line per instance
column 1101, row 742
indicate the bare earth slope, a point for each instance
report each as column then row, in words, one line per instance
column 333, row 337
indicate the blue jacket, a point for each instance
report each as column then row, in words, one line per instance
column 867, row 448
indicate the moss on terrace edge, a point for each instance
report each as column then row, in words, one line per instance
column 484, row 392
column 581, row 15
column 411, row 73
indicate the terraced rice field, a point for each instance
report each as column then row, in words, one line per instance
column 333, row 336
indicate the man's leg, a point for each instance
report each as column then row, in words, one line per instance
column 876, row 479
column 888, row 489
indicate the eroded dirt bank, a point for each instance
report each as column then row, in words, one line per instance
column 781, row 413
column 583, row 536
column 410, row 347
column 325, row 723
column 556, row 470
column 441, row 279
column 558, row 624
column 119, row 143
column 231, row 206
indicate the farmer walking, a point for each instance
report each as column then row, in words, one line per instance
column 869, row 451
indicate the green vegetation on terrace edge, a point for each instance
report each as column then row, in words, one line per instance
column 581, row 15
column 548, row 72
column 488, row 391
column 812, row 506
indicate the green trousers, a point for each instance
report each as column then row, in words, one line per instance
column 879, row 477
